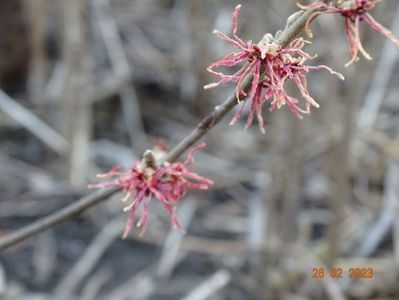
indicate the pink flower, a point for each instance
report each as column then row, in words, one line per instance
column 147, row 180
column 270, row 66
column 354, row 12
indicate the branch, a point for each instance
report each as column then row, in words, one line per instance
column 55, row 218
column 293, row 29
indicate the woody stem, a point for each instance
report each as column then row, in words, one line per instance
column 286, row 37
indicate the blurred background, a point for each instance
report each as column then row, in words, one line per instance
column 86, row 85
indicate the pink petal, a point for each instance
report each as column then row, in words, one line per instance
column 381, row 29
column 235, row 17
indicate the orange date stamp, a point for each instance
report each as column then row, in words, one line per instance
column 339, row 273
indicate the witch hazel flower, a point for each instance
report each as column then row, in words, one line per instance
column 354, row 12
column 290, row 64
column 270, row 66
column 148, row 179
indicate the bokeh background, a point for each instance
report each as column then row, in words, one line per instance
column 86, row 85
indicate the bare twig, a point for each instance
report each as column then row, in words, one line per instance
column 57, row 217
column 204, row 126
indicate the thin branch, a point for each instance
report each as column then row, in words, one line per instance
column 293, row 29
column 55, row 218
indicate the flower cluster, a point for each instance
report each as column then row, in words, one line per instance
column 270, row 66
column 146, row 179
column 354, row 12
